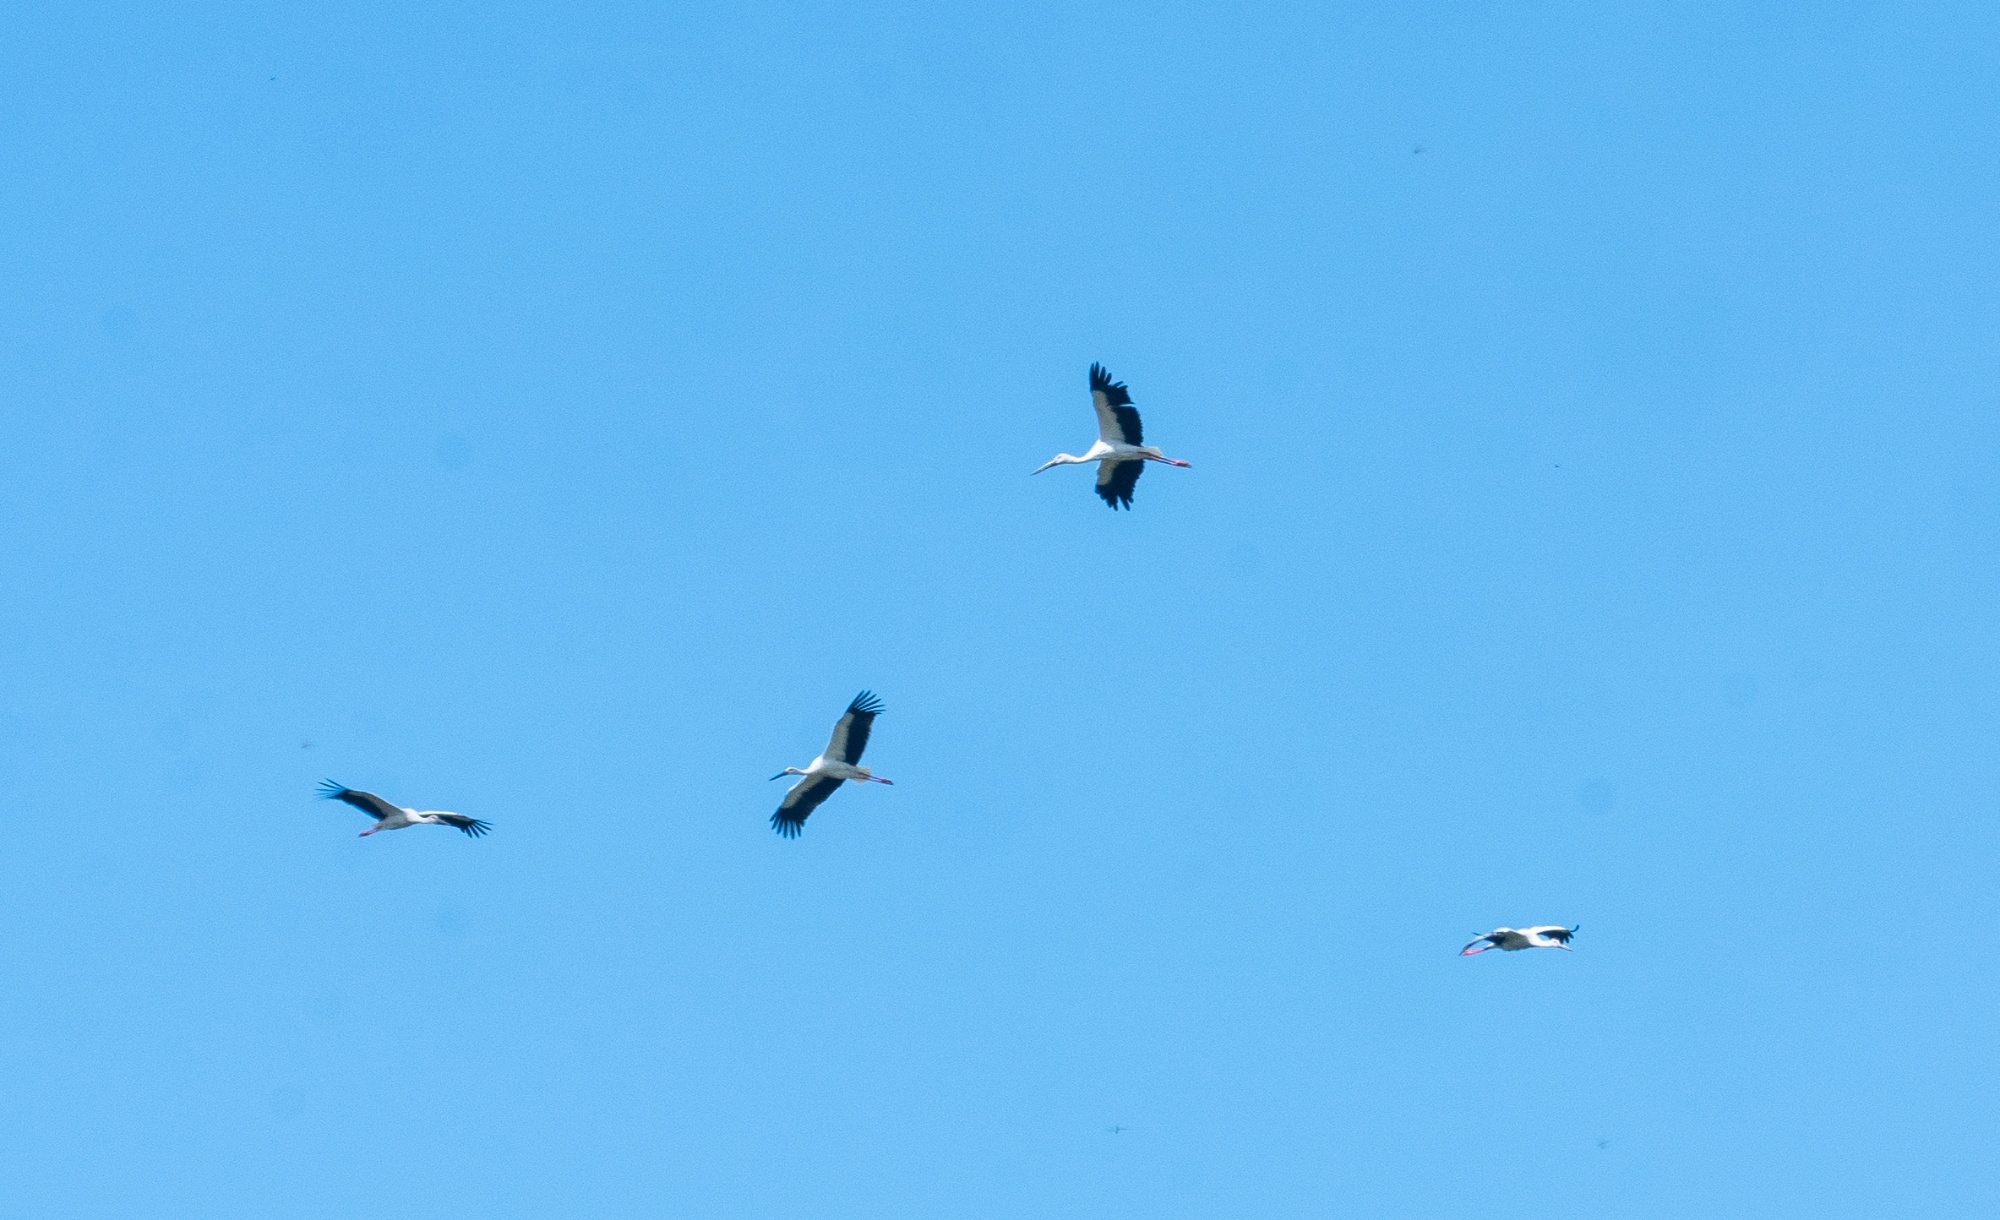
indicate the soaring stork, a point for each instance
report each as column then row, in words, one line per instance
column 1547, row 936
column 836, row 763
column 395, row 817
column 1120, row 453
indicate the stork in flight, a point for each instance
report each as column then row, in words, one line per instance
column 1547, row 936
column 836, row 763
column 395, row 817
column 1120, row 453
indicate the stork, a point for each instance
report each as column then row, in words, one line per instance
column 838, row 762
column 1120, row 452
column 1546, row 936
column 395, row 817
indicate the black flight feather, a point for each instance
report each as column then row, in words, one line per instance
column 799, row 804
column 1115, row 481
column 864, row 709
column 367, row 802
column 1114, row 391
column 1120, row 402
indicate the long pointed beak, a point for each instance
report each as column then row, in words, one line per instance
column 1039, row 469
column 779, row 775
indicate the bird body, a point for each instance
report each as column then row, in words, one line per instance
column 1120, row 452
column 1544, row 936
column 839, row 763
column 833, row 769
column 396, row 817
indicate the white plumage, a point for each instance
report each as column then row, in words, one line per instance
column 395, row 817
column 1120, row 453
column 1544, row 936
column 838, row 763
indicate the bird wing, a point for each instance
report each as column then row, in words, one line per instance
column 804, row 797
column 1117, row 418
column 850, row 733
column 1115, row 481
column 471, row 826
column 367, row 802
column 1555, row 932
column 1486, row 940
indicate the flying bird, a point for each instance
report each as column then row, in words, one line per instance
column 1120, row 452
column 836, row 763
column 1547, row 936
column 395, row 817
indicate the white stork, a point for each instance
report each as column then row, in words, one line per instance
column 1547, row 936
column 1120, row 453
column 395, row 817
column 836, row 763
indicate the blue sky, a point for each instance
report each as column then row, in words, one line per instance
column 556, row 413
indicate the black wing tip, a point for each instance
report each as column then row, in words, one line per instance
column 1117, row 490
column 332, row 791
column 474, row 828
column 866, row 704
column 1114, row 391
column 786, row 827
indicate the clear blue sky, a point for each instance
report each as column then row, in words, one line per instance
column 557, row 412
